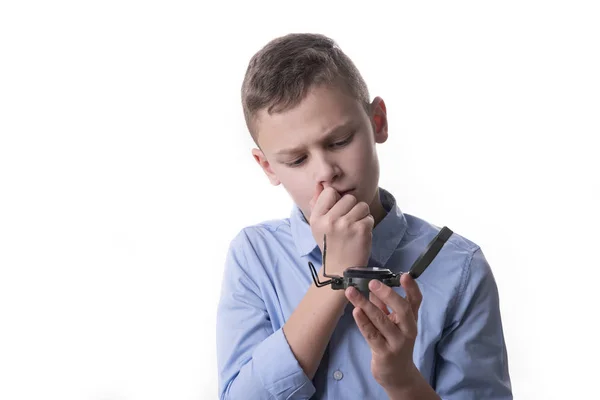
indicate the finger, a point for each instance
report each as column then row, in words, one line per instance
column 380, row 304
column 384, row 325
column 374, row 338
column 343, row 206
column 326, row 200
column 404, row 318
column 369, row 222
column 413, row 293
column 358, row 212
column 318, row 191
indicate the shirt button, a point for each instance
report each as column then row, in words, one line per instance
column 337, row 375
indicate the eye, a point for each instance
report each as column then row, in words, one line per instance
column 296, row 163
column 344, row 142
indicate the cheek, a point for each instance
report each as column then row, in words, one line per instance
column 364, row 166
column 298, row 185
column 362, row 162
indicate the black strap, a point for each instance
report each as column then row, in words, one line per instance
column 433, row 248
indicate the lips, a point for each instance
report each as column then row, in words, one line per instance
column 349, row 191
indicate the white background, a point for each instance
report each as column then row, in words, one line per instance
column 125, row 170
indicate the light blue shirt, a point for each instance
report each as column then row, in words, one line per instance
column 460, row 348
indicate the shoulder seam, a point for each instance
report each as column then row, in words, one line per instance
column 464, row 277
column 244, row 268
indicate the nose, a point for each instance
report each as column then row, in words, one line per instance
column 326, row 170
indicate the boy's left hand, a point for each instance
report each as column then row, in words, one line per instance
column 391, row 336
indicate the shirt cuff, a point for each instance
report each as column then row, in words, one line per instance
column 278, row 369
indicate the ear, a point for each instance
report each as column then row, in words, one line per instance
column 379, row 120
column 266, row 167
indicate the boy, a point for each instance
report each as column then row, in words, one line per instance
column 281, row 337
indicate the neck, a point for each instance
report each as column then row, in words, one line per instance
column 377, row 210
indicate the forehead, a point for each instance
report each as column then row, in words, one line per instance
column 323, row 109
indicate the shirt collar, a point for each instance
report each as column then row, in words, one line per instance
column 386, row 235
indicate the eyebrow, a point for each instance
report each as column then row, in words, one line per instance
column 327, row 136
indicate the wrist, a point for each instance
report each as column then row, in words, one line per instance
column 415, row 387
column 333, row 268
column 327, row 293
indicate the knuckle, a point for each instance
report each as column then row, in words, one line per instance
column 418, row 294
column 363, row 228
column 384, row 292
column 372, row 335
column 361, row 301
column 370, row 220
column 380, row 318
column 374, row 299
column 418, row 299
column 404, row 312
column 328, row 223
column 395, row 347
column 367, row 223
column 343, row 224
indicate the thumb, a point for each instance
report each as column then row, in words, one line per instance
column 413, row 293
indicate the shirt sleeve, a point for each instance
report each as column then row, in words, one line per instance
column 472, row 357
column 254, row 360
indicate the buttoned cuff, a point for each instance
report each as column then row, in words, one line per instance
column 279, row 371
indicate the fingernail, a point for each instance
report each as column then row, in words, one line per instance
column 351, row 292
column 375, row 284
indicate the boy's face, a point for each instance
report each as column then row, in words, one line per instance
column 327, row 139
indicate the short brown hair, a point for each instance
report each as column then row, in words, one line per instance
column 280, row 74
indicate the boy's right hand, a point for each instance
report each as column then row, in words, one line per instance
column 348, row 225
